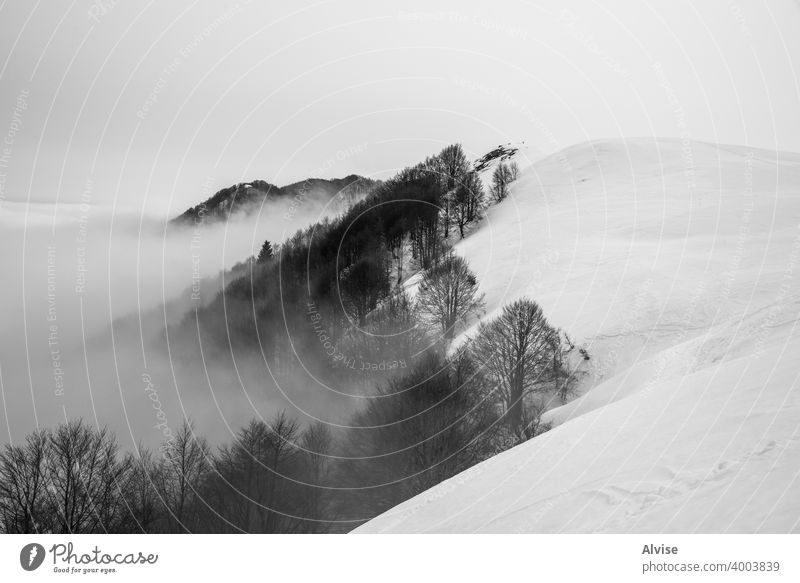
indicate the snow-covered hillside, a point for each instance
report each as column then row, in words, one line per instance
column 678, row 266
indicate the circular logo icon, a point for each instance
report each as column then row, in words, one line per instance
column 31, row 556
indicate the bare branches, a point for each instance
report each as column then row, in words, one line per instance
column 186, row 461
column 467, row 201
column 517, row 348
column 22, row 490
column 504, row 174
column 448, row 294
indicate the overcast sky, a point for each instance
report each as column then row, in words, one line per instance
column 156, row 104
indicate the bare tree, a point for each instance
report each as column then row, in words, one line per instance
column 517, row 348
column 257, row 485
column 22, row 486
column 449, row 293
column 185, row 464
column 503, row 175
column 363, row 284
column 467, row 200
column 84, row 479
column 284, row 435
column 317, row 443
column 141, row 492
column 451, row 165
column 429, row 430
column 426, row 241
column 390, row 338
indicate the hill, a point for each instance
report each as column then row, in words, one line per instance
column 247, row 197
column 676, row 265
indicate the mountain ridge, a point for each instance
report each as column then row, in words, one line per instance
column 245, row 197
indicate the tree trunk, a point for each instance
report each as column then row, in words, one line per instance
column 514, row 414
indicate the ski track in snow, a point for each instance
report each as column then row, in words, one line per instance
column 681, row 274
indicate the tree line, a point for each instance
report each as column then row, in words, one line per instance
column 347, row 266
column 449, row 411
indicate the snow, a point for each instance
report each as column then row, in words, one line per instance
column 676, row 265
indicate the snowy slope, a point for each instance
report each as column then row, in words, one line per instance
column 678, row 265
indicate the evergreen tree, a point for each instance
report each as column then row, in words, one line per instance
column 266, row 252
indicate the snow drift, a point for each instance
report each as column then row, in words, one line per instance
column 676, row 264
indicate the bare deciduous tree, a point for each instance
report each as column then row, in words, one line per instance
column 389, row 339
column 517, row 348
column 448, row 294
column 186, row 462
column 451, row 165
column 84, row 479
column 22, row 486
column 467, row 201
column 141, row 492
column 317, row 443
column 429, row 429
column 255, row 486
column 503, row 175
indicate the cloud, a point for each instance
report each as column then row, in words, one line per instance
column 86, row 296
